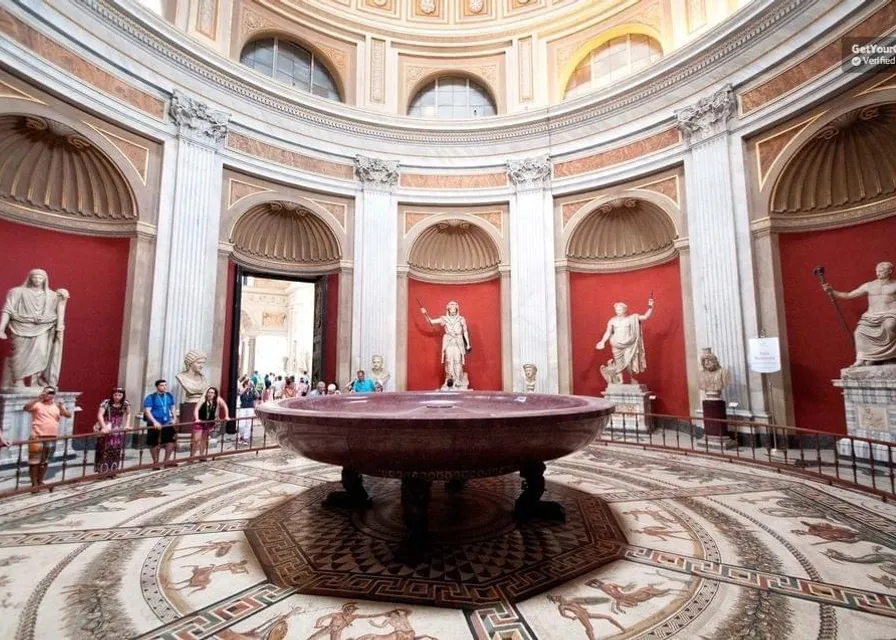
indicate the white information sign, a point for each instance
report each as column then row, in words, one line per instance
column 765, row 355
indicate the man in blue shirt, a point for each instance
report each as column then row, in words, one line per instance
column 361, row 384
column 160, row 414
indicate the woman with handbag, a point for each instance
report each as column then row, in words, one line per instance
column 206, row 414
column 112, row 420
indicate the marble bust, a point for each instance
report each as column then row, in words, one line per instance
column 378, row 371
column 530, row 373
column 626, row 339
column 191, row 379
column 35, row 317
column 712, row 378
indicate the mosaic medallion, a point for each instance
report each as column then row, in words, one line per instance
column 479, row 554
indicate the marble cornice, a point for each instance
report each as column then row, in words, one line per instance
column 782, row 223
column 223, row 74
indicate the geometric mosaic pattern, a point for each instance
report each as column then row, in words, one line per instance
column 479, row 555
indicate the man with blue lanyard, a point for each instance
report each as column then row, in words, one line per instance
column 160, row 413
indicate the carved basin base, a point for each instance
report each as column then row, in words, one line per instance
column 477, row 552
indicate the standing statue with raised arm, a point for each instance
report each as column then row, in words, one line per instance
column 875, row 335
column 35, row 317
column 455, row 343
column 625, row 337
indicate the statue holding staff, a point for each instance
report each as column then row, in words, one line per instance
column 455, row 343
column 35, row 317
column 626, row 339
column 875, row 334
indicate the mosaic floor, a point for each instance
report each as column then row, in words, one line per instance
column 670, row 546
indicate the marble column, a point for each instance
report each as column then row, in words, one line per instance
column 188, row 237
column 532, row 282
column 712, row 230
column 376, row 261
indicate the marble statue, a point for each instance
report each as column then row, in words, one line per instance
column 35, row 317
column 378, row 372
column 712, row 378
column 530, row 373
column 610, row 373
column 875, row 335
column 625, row 337
column 455, row 343
column 191, row 379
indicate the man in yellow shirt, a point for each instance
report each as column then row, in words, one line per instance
column 45, row 414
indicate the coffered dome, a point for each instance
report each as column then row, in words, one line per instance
column 47, row 165
column 850, row 162
column 622, row 231
column 280, row 234
column 454, row 248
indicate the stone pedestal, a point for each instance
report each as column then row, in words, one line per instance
column 17, row 423
column 715, row 433
column 186, row 415
column 632, row 404
column 869, row 396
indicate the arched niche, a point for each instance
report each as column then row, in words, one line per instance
column 454, row 250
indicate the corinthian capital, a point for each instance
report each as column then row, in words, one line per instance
column 376, row 173
column 529, row 173
column 195, row 119
column 708, row 116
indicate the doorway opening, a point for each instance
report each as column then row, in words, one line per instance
column 279, row 327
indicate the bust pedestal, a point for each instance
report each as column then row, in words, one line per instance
column 17, row 423
column 632, row 404
column 715, row 429
column 869, row 397
column 185, row 417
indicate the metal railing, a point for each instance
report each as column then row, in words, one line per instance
column 860, row 463
column 76, row 458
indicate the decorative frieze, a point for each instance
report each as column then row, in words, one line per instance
column 708, row 117
column 195, row 119
column 376, row 173
column 530, row 173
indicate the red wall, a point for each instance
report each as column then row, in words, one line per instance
column 817, row 344
column 331, row 328
column 480, row 304
column 591, row 300
column 95, row 272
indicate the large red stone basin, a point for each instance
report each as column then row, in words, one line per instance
column 435, row 434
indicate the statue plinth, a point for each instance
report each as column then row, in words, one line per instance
column 633, row 403
column 17, row 423
column 869, row 397
column 715, row 427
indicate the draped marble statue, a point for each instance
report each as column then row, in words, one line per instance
column 35, row 317
column 191, row 379
column 626, row 339
column 875, row 334
column 455, row 344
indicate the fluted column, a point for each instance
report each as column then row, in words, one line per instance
column 191, row 233
column 712, row 231
column 532, row 284
column 374, row 316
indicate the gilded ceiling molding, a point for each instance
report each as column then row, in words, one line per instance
column 850, row 162
column 621, row 234
column 708, row 117
column 284, row 236
column 195, row 120
column 179, row 55
column 49, row 166
column 375, row 173
column 530, row 173
column 454, row 250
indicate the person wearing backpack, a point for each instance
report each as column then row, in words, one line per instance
column 160, row 414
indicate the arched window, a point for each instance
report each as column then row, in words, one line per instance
column 290, row 64
column 452, row 98
column 611, row 61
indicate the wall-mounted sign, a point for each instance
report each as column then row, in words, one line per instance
column 765, row 355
